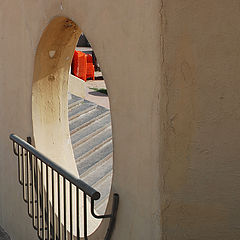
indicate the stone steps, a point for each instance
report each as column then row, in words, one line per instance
column 94, row 158
column 91, row 130
column 91, row 137
column 79, row 109
column 73, row 101
column 84, row 120
column 97, row 173
column 92, row 144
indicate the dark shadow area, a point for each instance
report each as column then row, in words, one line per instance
column 99, row 90
column 3, row 234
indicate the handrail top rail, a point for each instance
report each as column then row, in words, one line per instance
column 91, row 192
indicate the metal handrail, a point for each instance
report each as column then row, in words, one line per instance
column 31, row 165
column 91, row 192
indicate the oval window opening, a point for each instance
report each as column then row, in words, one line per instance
column 71, row 113
column 90, row 122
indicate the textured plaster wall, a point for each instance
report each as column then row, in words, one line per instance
column 172, row 71
column 50, row 89
column 126, row 38
column 196, row 47
column 201, row 89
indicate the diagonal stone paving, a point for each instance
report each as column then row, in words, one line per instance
column 91, row 137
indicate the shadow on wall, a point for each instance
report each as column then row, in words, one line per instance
column 4, row 235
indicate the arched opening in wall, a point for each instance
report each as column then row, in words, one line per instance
column 90, row 121
column 70, row 125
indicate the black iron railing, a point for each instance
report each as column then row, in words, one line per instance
column 56, row 198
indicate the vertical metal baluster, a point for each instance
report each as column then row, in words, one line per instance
column 85, row 215
column 64, row 206
column 30, row 181
column 71, row 218
column 53, row 206
column 38, row 198
column 43, row 205
column 48, row 210
column 28, row 184
column 19, row 166
column 14, row 147
column 59, row 208
column 33, row 193
column 77, row 214
column 29, row 163
column 23, row 173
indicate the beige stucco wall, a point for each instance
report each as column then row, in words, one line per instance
column 171, row 69
column 125, row 36
column 201, row 128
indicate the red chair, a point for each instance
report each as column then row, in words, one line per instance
column 89, row 58
column 90, row 67
column 82, row 66
column 79, row 65
column 90, row 71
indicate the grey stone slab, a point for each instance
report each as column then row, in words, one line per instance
column 93, row 143
column 81, row 109
column 94, row 158
column 73, row 101
column 73, row 104
column 88, row 118
column 98, row 173
column 90, row 130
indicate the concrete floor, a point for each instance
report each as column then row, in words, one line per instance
column 97, row 97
